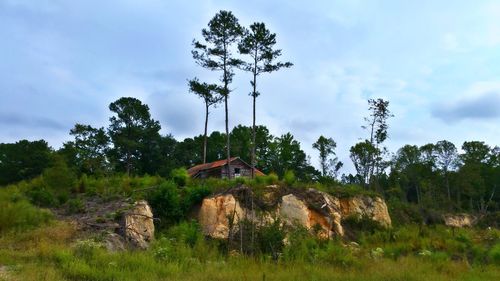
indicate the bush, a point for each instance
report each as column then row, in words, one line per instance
column 75, row 206
column 270, row 239
column 289, row 178
column 193, row 195
column 180, row 176
column 165, row 202
column 336, row 254
column 356, row 223
column 17, row 213
column 494, row 254
column 59, row 177
column 272, row 178
column 186, row 232
column 41, row 197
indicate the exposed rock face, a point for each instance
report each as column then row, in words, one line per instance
column 138, row 225
column 458, row 220
column 293, row 211
column 217, row 213
column 312, row 209
column 372, row 207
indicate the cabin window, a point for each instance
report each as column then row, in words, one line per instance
column 237, row 172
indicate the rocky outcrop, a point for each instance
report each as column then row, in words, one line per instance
column 294, row 211
column 371, row 207
column 459, row 220
column 218, row 213
column 138, row 227
column 312, row 209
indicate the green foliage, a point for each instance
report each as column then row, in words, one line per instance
column 193, row 195
column 23, row 160
column 88, row 150
column 165, row 202
column 326, row 148
column 16, row 213
column 494, row 253
column 272, row 178
column 40, row 196
column 270, row 239
column 75, row 205
column 362, row 155
column 134, row 135
column 180, row 176
column 59, row 178
column 357, row 224
column 186, row 232
column 289, row 178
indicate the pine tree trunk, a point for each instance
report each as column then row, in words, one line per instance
column 228, row 150
column 205, row 135
column 447, row 185
column 253, row 126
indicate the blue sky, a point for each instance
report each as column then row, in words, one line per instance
column 437, row 62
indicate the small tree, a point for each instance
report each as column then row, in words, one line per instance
column 377, row 125
column 210, row 93
column 326, row 148
column 215, row 54
column 91, row 146
column 258, row 43
column 362, row 155
column 446, row 159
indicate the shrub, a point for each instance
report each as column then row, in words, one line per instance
column 336, row 254
column 165, row 202
column 302, row 246
column 361, row 224
column 180, row 176
column 270, row 239
column 17, row 213
column 82, row 184
column 59, row 177
column 186, row 232
column 494, row 254
column 75, row 206
column 41, row 197
column 289, row 178
column 193, row 195
column 272, row 178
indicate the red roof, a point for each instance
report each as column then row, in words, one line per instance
column 219, row 163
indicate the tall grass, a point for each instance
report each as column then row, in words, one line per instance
column 51, row 253
column 16, row 213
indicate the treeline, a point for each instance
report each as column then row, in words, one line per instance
column 132, row 145
column 432, row 175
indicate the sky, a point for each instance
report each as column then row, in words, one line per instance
column 436, row 62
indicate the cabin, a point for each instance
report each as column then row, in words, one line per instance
column 218, row 169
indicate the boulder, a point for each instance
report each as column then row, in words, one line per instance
column 114, row 243
column 371, row 207
column 138, row 225
column 217, row 213
column 459, row 220
column 293, row 211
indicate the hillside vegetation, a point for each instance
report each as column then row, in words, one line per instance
column 34, row 245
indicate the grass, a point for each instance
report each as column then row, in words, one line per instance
column 51, row 253
column 34, row 246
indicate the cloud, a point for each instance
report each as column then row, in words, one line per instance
column 29, row 122
column 479, row 104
